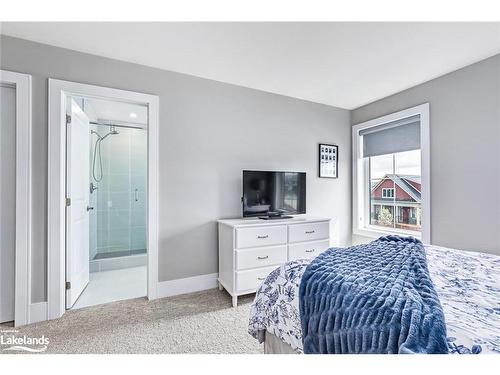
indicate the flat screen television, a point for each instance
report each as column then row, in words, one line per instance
column 271, row 195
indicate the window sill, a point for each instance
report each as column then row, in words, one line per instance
column 375, row 233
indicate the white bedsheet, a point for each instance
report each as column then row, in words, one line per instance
column 468, row 284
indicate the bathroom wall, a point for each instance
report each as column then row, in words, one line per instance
column 120, row 208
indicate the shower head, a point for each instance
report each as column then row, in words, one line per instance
column 113, row 130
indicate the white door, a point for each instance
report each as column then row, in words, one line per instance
column 77, row 214
column 7, row 201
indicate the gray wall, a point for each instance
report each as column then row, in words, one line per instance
column 465, row 152
column 209, row 132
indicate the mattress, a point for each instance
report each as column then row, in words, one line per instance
column 273, row 345
column 468, row 285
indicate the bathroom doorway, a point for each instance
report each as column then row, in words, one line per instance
column 103, row 243
column 106, row 178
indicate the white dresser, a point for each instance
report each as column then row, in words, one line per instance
column 249, row 249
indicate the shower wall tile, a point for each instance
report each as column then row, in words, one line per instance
column 118, row 219
column 138, row 181
column 138, row 217
column 117, row 166
column 118, row 148
column 102, row 238
column 120, row 222
column 102, row 197
column 138, row 238
column 120, row 200
column 139, row 166
column 118, row 182
column 118, row 239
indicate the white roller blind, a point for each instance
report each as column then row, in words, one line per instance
column 392, row 137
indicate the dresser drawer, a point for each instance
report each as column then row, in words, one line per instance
column 308, row 232
column 260, row 236
column 306, row 250
column 250, row 280
column 260, row 257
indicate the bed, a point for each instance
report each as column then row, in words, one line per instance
column 467, row 283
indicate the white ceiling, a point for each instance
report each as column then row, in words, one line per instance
column 108, row 111
column 341, row 64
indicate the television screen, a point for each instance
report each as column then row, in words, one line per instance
column 277, row 193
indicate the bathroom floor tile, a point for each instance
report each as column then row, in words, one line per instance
column 115, row 285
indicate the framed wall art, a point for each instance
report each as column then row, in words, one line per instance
column 328, row 160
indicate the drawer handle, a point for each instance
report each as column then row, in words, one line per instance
column 310, row 251
column 266, row 236
column 262, row 258
column 261, row 278
column 310, row 231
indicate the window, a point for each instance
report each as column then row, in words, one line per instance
column 395, row 190
column 387, row 192
column 391, row 175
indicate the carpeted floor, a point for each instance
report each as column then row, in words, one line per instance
column 202, row 322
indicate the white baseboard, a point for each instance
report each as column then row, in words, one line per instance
column 188, row 285
column 38, row 312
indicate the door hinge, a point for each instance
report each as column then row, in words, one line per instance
column 68, row 285
column 68, row 202
column 68, row 119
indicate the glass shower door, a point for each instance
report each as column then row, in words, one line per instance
column 138, row 166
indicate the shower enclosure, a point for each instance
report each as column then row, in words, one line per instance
column 118, row 201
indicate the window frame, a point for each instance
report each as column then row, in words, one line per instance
column 386, row 191
column 360, row 174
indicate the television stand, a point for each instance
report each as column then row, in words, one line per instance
column 275, row 217
column 242, row 241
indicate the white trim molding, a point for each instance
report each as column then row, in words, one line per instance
column 22, row 84
column 187, row 285
column 38, row 312
column 56, row 262
column 359, row 193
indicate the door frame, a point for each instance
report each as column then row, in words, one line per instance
column 56, row 234
column 22, row 84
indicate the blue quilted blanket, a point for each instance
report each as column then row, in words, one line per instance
column 372, row 298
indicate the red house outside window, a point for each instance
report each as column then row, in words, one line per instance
column 395, row 190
